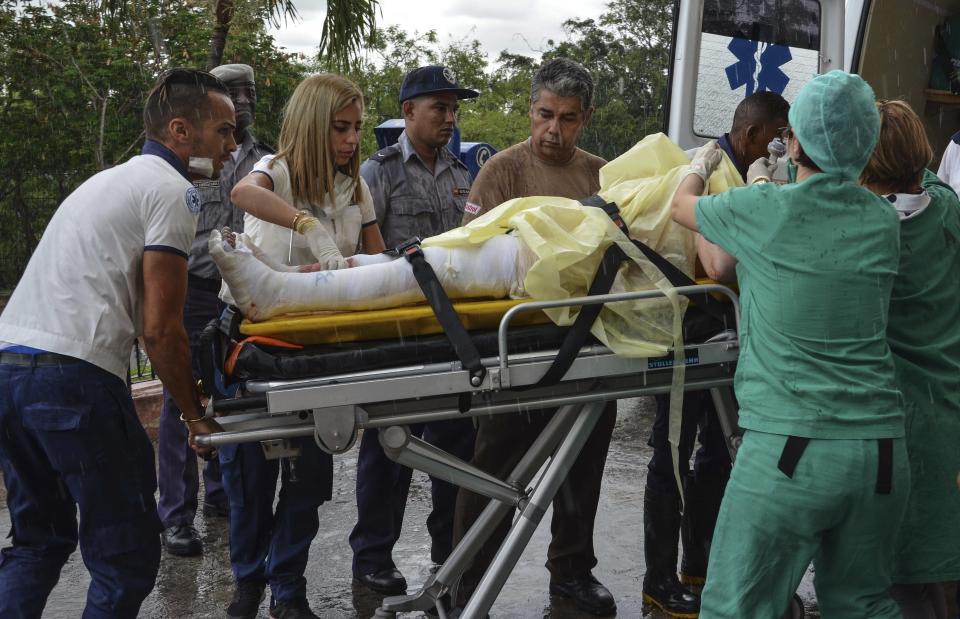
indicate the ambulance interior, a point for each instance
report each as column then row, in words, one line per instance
column 897, row 54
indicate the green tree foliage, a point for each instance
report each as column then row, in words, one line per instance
column 628, row 53
column 73, row 78
column 74, row 74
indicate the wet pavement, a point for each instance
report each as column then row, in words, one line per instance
column 202, row 586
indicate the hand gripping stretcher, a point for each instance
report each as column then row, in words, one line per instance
column 326, row 392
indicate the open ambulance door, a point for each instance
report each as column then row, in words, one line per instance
column 893, row 45
column 725, row 50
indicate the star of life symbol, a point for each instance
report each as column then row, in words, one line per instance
column 758, row 66
column 449, row 75
column 192, row 200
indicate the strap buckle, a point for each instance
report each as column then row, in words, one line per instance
column 408, row 249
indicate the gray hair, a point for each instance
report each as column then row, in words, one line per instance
column 564, row 78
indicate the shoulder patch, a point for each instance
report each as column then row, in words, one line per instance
column 192, row 200
column 385, row 153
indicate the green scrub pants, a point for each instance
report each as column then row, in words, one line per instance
column 772, row 526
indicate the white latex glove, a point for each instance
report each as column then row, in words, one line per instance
column 323, row 247
column 706, row 160
column 760, row 168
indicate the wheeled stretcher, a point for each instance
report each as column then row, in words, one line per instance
column 292, row 392
column 334, row 381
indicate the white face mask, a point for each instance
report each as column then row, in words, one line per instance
column 201, row 165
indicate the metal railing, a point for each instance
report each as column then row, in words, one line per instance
column 140, row 366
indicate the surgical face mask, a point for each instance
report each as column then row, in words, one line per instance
column 791, row 171
column 201, row 165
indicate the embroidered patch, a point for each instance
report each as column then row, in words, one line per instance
column 449, row 75
column 192, row 200
column 461, row 192
column 472, row 208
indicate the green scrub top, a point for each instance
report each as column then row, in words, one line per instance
column 924, row 335
column 815, row 263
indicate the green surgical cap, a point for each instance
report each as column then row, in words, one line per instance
column 836, row 120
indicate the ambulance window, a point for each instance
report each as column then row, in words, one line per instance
column 750, row 46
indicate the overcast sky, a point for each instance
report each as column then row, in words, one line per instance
column 520, row 26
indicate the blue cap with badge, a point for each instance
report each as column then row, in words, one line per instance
column 433, row 79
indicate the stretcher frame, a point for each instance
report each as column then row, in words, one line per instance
column 333, row 409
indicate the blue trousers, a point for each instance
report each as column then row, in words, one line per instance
column 71, row 444
column 382, row 487
column 177, row 462
column 266, row 544
column 699, row 417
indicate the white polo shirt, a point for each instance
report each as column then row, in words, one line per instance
column 82, row 292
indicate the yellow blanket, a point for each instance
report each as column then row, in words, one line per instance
column 569, row 241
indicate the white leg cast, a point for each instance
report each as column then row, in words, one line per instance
column 489, row 270
column 362, row 260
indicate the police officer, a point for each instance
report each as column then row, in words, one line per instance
column 111, row 266
column 177, row 471
column 419, row 189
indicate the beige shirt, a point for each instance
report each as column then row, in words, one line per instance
column 518, row 173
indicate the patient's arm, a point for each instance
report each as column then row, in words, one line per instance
column 719, row 265
column 488, row 270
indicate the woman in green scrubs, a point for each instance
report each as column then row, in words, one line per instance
column 924, row 336
column 822, row 473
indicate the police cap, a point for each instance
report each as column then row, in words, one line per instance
column 433, row 79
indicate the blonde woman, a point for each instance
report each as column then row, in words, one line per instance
column 307, row 203
column 923, row 336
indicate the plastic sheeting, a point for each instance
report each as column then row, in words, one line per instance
column 568, row 241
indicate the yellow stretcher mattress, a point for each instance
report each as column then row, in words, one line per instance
column 395, row 323
column 340, row 327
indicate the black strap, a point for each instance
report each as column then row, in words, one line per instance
column 884, row 465
column 447, row 317
column 791, row 453
column 577, row 334
column 675, row 276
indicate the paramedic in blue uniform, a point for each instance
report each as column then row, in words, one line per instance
column 111, row 266
column 756, row 122
column 177, row 469
column 419, row 189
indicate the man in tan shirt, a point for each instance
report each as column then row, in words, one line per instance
column 547, row 164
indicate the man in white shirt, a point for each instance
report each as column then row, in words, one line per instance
column 111, row 266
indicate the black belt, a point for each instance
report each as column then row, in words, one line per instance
column 39, row 360
column 202, row 283
column 796, row 445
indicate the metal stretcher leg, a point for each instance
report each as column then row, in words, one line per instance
column 727, row 409
column 532, row 513
column 465, row 475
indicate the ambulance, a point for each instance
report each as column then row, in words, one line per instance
column 725, row 50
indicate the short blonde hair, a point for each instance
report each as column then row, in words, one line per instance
column 305, row 136
column 903, row 150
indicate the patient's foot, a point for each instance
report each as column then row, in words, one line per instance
column 249, row 279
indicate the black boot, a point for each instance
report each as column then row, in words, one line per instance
column 703, row 494
column 661, row 535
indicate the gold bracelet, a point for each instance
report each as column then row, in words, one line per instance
column 189, row 421
column 307, row 222
column 297, row 218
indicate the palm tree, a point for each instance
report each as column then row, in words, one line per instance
column 346, row 25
